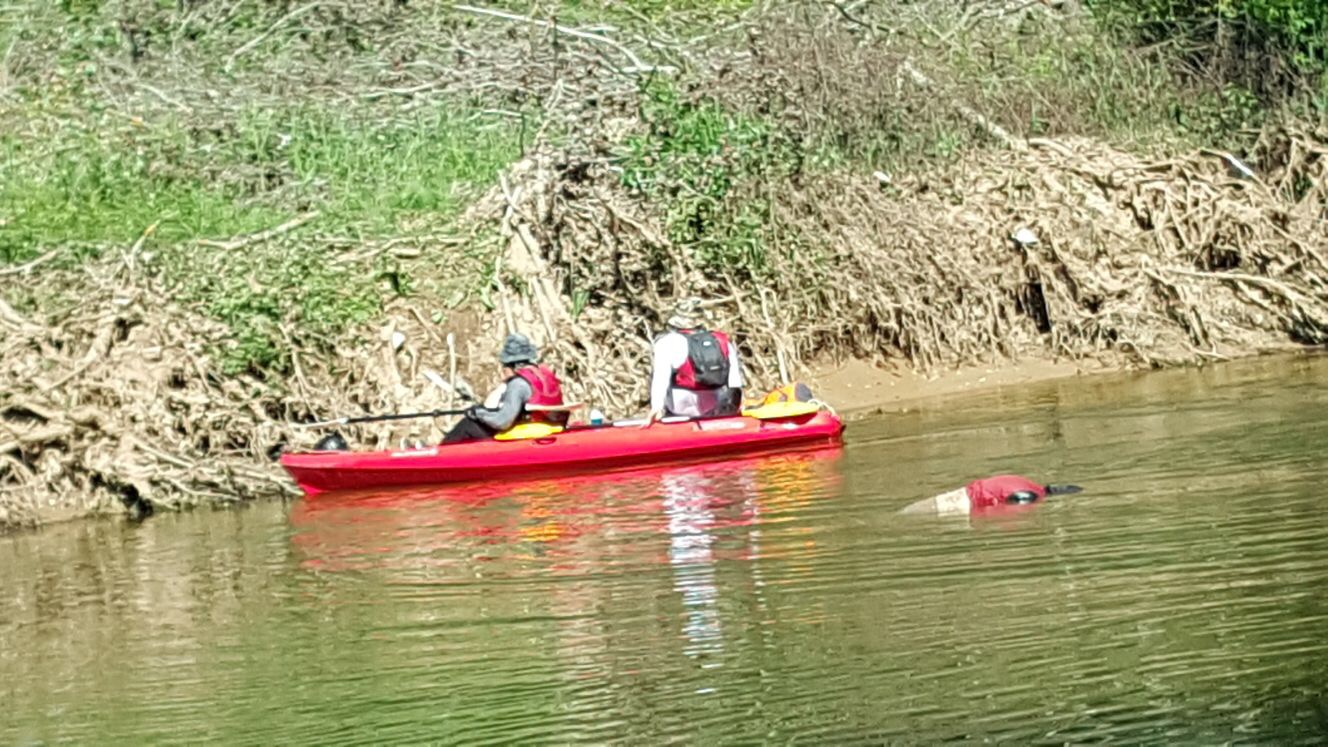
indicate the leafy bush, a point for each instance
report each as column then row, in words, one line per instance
column 702, row 161
column 273, row 298
column 1267, row 45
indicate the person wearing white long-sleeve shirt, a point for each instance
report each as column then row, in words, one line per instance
column 674, row 389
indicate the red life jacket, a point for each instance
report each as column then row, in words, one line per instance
column 685, row 376
column 993, row 491
column 545, row 390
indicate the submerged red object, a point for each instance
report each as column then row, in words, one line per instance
column 577, row 449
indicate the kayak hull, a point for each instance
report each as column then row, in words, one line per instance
column 578, row 449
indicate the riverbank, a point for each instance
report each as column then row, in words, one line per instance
column 353, row 227
column 856, row 389
column 859, row 389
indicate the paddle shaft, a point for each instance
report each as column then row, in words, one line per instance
column 380, row 418
column 430, row 414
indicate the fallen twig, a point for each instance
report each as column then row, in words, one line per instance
column 968, row 112
column 13, row 318
column 262, row 236
column 254, row 42
column 637, row 66
column 27, row 267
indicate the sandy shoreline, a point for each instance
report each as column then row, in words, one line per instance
column 859, row 389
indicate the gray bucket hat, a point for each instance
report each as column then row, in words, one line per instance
column 518, row 348
column 687, row 314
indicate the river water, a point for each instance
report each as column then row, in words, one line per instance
column 1183, row 597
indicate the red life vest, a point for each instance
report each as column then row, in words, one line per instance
column 685, row 376
column 993, row 491
column 545, row 390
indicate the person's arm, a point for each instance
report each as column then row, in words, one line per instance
column 661, row 373
column 735, row 367
column 509, row 408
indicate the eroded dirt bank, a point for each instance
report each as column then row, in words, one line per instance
column 1052, row 253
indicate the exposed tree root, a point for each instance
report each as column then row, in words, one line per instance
column 118, row 403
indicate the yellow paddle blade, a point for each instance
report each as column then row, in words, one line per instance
column 774, row 410
column 523, row 431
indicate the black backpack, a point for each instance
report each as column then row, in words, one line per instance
column 709, row 360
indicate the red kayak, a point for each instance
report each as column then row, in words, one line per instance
column 577, row 449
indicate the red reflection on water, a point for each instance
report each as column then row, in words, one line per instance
column 545, row 518
column 582, row 529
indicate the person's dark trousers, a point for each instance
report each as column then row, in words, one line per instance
column 468, row 430
column 727, row 402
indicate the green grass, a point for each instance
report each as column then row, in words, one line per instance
column 93, row 151
column 93, row 182
column 258, row 292
column 1081, row 83
column 103, row 188
column 103, row 181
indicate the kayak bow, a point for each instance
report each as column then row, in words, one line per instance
column 577, row 449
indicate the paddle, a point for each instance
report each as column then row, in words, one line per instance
column 379, row 418
column 430, row 414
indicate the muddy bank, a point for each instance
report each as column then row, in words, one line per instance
column 859, row 389
column 115, row 401
column 1021, row 257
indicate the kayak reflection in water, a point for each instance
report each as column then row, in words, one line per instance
column 987, row 494
column 691, row 554
column 526, row 382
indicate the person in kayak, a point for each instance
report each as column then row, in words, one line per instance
column 695, row 372
column 526, row 382
column 988, row 493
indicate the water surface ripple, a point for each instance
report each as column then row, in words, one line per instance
column 1180, row 599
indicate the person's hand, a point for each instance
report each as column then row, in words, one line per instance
column 653, row 416
column 473, row 412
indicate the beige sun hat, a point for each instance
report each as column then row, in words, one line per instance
column 687, row 314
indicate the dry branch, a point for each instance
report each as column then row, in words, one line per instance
column 637, row 66
column 258, row 238
column 252, row 43
column 29, row 266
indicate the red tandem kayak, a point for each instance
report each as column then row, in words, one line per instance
column 577, row 449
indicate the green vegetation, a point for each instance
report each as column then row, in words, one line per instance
column 1275, row 50
column 110, row 177
column 691, row 159
column 218, row 118
column 1285, row 36
column 708, row 155
column 106, row 132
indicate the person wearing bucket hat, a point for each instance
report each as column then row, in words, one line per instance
column 526, row 382
column 696, row 372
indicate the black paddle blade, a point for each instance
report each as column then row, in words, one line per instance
column 1063, row 489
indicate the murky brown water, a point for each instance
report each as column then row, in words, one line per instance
column 1182, row 598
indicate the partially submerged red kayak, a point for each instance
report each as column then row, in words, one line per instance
column 577, row 449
